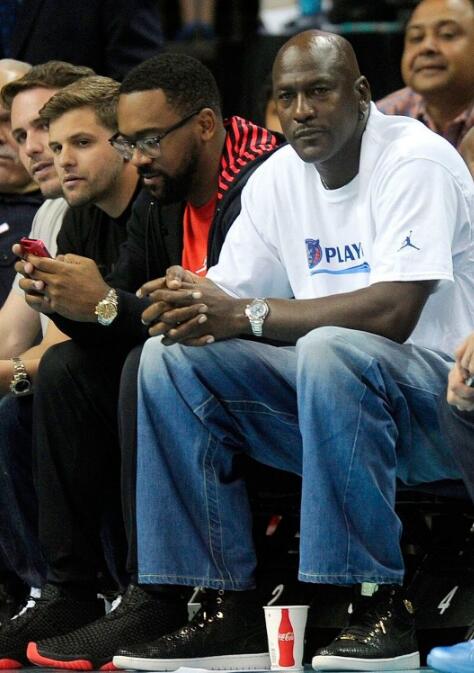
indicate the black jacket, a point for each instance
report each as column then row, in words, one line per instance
column 110, row 36
column 154, row 242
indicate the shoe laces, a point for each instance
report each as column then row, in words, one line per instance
column 25, row 611
column 367, row 623
column 209, row 611
column 118, row 605
column 115, row 603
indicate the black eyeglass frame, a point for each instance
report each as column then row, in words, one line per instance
column 128, row 150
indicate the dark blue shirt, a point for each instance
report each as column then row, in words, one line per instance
column 16, row 215
column 8, row 15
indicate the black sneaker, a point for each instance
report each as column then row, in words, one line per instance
column 55, row 612
column 135, row 616
column 380, row 636
column 228, row 633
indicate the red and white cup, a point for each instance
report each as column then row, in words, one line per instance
column 285, row 631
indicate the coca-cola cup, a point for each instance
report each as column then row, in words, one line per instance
column 285, row 632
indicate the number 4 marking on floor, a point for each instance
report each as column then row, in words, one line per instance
column 446, row 601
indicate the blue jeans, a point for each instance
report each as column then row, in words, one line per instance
column 19, row 544
column 347, row 410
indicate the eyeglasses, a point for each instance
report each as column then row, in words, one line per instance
column 148, row 146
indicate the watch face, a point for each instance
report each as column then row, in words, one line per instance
column 258, row 310
column 21, row 386
column 108, row 310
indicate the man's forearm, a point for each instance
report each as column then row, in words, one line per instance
column 388, row 309
column 199, row 314
column 127, row 327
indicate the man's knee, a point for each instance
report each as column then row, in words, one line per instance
column 152, row 349
column 157, row 358
column 61, row 359
column 177, row 362
column 69, row 360
column 324, row 343
column 332, row 342
column 334, row 355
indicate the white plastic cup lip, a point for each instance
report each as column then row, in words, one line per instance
column 279, row 607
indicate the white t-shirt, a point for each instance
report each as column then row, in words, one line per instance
column 46, row 225
column 407, row 216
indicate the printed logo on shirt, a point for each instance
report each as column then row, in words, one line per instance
column 4, row 227
column 202, row 269
column 335, row 260
column 407, row 243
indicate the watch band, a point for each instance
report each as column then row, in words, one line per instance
column 21, row 382
column 256, row 326
column 256, row 312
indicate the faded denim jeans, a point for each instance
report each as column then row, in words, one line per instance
column 349, row 411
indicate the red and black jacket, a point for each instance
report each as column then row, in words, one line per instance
column 155, row 234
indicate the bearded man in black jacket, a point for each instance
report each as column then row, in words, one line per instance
column 194, row 165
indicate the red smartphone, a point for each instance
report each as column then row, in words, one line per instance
column 34, row 246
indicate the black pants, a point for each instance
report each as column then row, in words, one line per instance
column 19, row 547
column 77, row 466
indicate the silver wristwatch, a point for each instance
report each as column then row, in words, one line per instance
column 21, row 382
column 107, row 308
column 256, row 312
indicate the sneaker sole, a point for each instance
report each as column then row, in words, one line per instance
column 228, row 662
column 10, row 664
column 404, row 663
column 73, row 664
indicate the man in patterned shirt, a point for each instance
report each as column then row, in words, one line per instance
column 438, row 69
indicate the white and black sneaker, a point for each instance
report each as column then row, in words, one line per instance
column 227, row 633
column 380, row 637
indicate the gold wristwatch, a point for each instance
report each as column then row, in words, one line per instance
column 21, row 383
column 107, row 309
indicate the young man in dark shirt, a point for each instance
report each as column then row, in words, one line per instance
column 100, row 186
column 194, row 165
column 21, row 99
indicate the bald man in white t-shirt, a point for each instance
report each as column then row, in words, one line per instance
column 355, row 246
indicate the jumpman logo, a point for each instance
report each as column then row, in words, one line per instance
column 203, row 268
column 407, row 243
